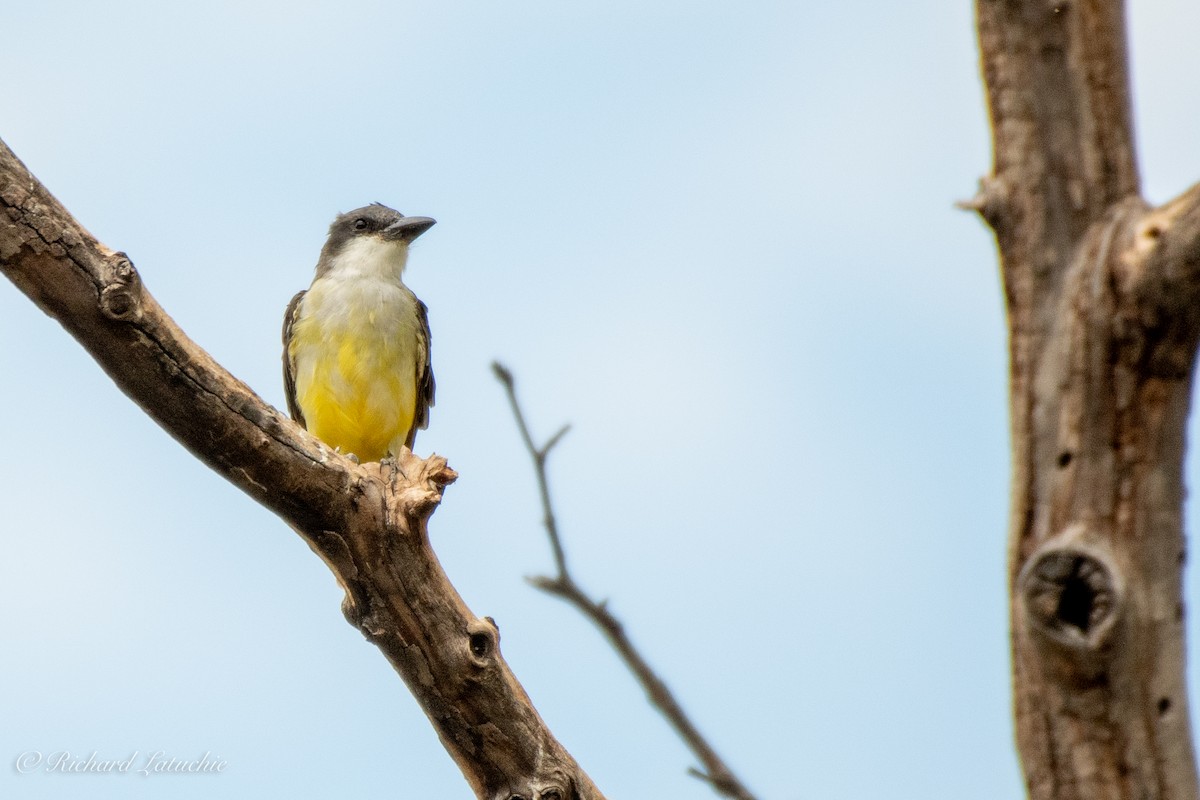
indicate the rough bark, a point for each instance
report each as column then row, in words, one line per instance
column 369, row 522
column 1103, row 298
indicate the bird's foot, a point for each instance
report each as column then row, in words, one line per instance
column 396, row 461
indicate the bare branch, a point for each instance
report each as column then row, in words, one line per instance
column 1058, row 96
column 1102, row 296
column 368, row 522
column 563, row 585
column 538, row 454
column 553, row 440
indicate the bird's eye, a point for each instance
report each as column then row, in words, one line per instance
column 360, row 224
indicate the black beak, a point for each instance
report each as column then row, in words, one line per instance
column 408, row 228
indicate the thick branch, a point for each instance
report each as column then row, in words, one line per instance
column 1058, row 96
column 1103, row 300
column 368, row 522
column 563, row 585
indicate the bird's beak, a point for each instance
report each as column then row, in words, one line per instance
column 408, row 228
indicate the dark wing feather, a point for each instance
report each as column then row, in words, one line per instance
column 425, row 385
column 289, row 379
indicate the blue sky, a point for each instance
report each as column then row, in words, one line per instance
column 719, row 239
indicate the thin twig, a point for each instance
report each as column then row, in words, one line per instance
column 715, row 773
column 539, row 460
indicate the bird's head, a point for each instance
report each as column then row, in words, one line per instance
column 373, row 239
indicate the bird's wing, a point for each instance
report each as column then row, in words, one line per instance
column 425, row 384
column 289, row 377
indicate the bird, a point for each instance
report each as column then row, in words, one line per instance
column 356, row 359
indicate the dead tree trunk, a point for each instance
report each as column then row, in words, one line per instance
column 1103, row 296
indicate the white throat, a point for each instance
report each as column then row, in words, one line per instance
column 370, row 257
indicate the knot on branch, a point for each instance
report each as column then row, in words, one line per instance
column 120, row 299
column 415, row 485
column 1071, row 594
column 483, row 640
column 991, row 201
column 557, row 787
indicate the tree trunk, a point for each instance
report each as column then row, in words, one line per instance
column 1103, row 297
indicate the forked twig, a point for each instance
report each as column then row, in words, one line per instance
column 715, row 773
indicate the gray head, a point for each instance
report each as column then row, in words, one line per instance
column 376, row 230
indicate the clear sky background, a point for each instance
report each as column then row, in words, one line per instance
column 718, row 238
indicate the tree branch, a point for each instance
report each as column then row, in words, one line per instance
column 1102, row 296
column 368, row 522
column 1058, row 98
column 1164, row 262
column 563, row 585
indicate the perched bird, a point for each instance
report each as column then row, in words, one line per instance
column 356, row 365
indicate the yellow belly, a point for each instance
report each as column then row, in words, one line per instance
column 356, row 381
